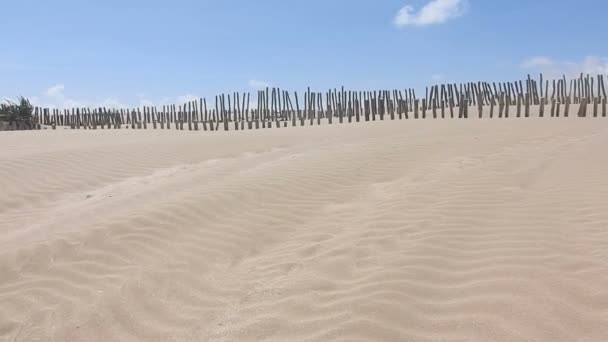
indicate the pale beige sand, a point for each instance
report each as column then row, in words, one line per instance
column 447, row 230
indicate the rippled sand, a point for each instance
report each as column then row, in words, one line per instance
column 436, row 230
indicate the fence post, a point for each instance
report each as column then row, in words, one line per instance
column 595, row 104
column 582, row 109
column 480, row 104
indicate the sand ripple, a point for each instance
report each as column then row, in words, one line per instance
column 478, row 230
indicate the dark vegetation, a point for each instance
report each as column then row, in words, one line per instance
column 16, row 116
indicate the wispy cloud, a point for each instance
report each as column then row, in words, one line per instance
column 437, row 77
column 57, row 96
column 181, row 99
column 594, row 65
column 537, row 62
column 257, row 84
column 54, row 97
column 56, row 90
column 434, row 12
column 553, row 67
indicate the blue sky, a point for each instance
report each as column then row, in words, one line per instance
column 132, row 52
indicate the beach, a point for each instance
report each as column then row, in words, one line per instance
column 412, row 230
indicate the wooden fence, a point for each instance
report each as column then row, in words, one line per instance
column 276, row 107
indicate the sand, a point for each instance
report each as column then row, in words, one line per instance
column 436, row 230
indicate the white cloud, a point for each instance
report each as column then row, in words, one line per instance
column 256, row 84
column 434, row 12
column 55, row 97
column 167, row 100
column 437, row 77
column 109, row 102
column 56, row 90
column 185, row 98
column 594, row 65
column 537, row 61
column 555, row 68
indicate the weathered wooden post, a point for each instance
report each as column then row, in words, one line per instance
column 138, row 121
column 501, row 104
column 340, row 108
column 582, row 110
column 382, row 103
column 320, row 104
column 424, row 105
column 145, row 117
column 277, row 106
column 590, row 88
column 78, row 119
column 71, row 116
column 39, row 117
column 480, row 104
column 133, row 119
column 245, row 111
column 292, row 113
column 357, row 106
column 180, row 118
column 259, row 113
column 567, row 107
column 109, row 117
column 272, row 108
column 188, row 114
column 461, row 107
column 374, row 108
column 541, row 110
column 237, row 110
column 518, row 110
column 174, row 117
column 451, row 101
column 399, row 98
column 142, row 118
column 527, row 101
column 595, row 105
column 305, row 111
column 202, row 113
column 313, row 107
column 196, row 114
column 225, row 114
column 367, row 105
column 98, row 121
column 299, row 115
column 106, row 117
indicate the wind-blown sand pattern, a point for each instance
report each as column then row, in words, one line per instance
column 464, row 230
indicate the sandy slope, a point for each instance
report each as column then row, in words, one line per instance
column 448, row 230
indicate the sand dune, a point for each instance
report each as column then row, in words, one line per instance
column 447, row 230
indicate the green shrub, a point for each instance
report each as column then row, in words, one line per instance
column 17, row 115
